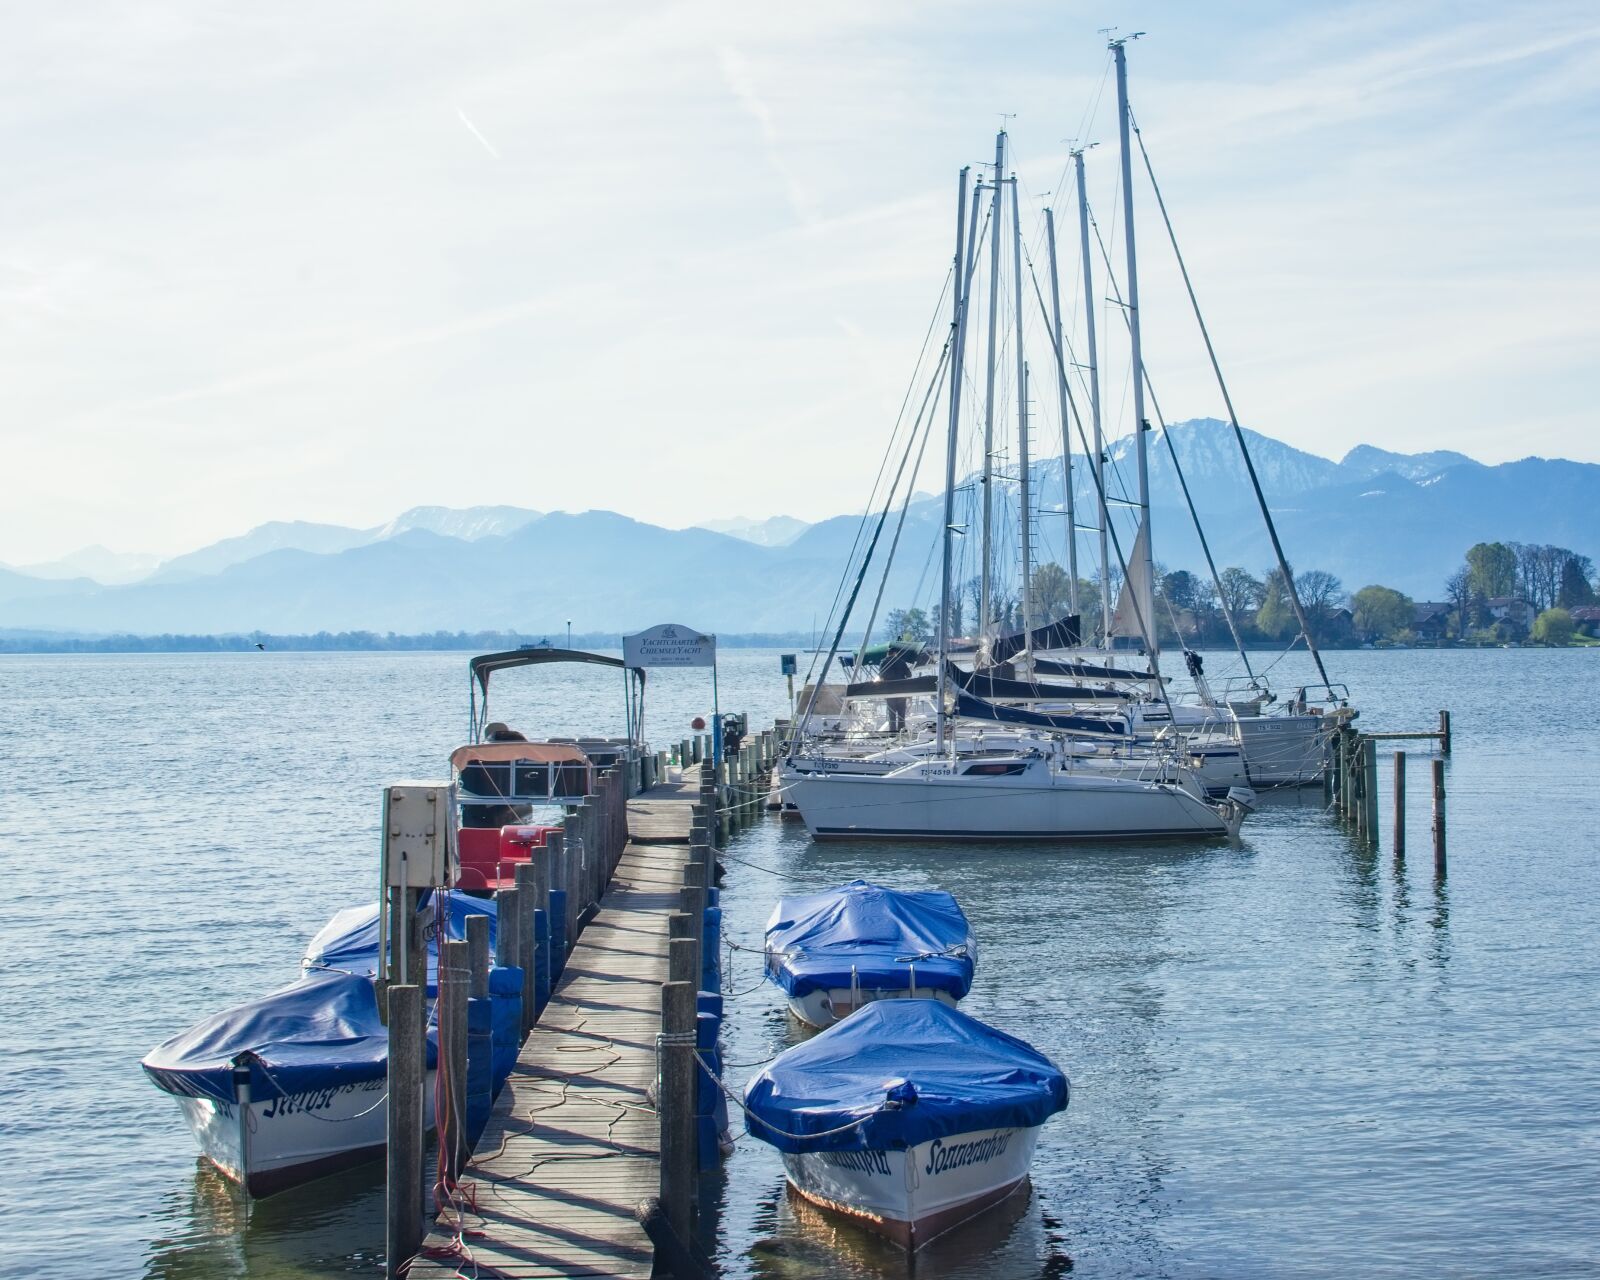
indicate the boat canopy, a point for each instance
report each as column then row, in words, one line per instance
column 1091, row 671
column 320, row 1032
column 897, row 1073
column 817, row 941
column 348, row 943
column 530, row 752
column 486, row 664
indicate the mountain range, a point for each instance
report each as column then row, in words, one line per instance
column 1403, row 520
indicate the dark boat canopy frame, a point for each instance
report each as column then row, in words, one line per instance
column 486, row 664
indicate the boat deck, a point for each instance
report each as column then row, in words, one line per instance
column 573, row 1144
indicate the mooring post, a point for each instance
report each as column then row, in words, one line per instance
column 1438, row 818
column 681, row 928
column 403, row 1224
column 1399, row 804
column 693, row 898
column 1369, row 768
column 527, row 902
column 478, row 955
column 507, row 933
column 1444, row 733
column 454, row 987
column 675, row 1103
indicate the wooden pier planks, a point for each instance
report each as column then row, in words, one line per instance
column 661, row 814
column 573, row 1144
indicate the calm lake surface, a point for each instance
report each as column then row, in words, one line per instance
column 1288, row 1057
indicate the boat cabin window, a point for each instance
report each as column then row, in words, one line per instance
column 996, row 769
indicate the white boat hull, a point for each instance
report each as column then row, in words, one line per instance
column 270, row 1146
column 823, row 1008
column 913, row 1196
column 1284, row 751
column 927, row 805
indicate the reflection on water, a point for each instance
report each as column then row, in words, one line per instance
column 333, row 1225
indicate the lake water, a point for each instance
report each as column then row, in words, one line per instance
column 1288, row 1057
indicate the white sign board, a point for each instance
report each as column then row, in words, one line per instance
column 669, row 646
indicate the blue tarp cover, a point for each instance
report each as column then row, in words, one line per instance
column 350, row 940
column 813, row 939
column 320, row 1032
column 954, row 1073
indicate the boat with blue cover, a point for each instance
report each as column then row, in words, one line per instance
column 911, row 1116
column 287, row 1087
column 291, row 1086
column 835, row 951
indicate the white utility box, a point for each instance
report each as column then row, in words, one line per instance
column 419, row 849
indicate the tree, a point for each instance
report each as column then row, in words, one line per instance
column 1242, row 592
column 1382, row 612
column 1052, row 593
column 1492, row 568
column 1575, row 589
column 1458, row 590
column 909, row 625
column 1275, row 617
column 1320, row 593
column 1554, row 627
column 1181, row 588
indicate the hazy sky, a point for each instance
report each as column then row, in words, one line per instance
column 328, row 261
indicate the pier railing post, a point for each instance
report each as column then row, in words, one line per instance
column 1438, row 818
column 454, row 986
column 675, row 1104
column 403, row 1224
column 527, row 902
column 1399, row 804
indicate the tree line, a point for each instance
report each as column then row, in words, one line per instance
column 1481, row 604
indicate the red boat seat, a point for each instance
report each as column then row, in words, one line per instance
column 489, row 855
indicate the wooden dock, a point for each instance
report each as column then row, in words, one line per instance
column 573, row 1144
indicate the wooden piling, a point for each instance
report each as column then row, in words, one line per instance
column 454, row 986
column 1438, row 819
column 675, row 1104
column 478, row 956
column 1369, row 773
column 1399, row 804
column 403, row 1227
column 1444, row 733
column 522, row 912
column 683, row 961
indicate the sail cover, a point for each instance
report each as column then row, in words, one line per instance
column 321, row 1032
column 897, row 1073
column 1063, row 633
column 816, row 940
column 971, row 708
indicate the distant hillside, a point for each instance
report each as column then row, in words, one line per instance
column 1376, row 517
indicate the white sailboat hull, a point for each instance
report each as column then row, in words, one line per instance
column 270, row 1146
column 913, row 1196
column 1284, row 751
column 928, row 804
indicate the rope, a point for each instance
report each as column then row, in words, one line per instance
column 767, row 1124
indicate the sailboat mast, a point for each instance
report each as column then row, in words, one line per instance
column 985, row 573
column 1146, row 594
column 1066, row 429
column 1099, row 463
column 957, row 334
column 1025, row 510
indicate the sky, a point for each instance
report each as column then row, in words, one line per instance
column 327, row 262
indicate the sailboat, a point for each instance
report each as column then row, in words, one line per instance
column 1037, row 790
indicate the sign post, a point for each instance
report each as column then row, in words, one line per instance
column 670, row 645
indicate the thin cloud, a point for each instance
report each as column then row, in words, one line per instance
column 736, row 74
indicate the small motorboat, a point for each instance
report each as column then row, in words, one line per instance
column 288, row 1087
column 349, row 941
column 835, row 951
column 910, row 1116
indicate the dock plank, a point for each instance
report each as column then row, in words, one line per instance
column 573, row 1144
